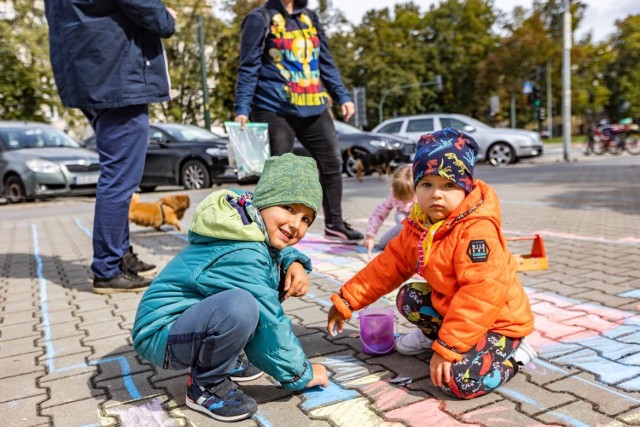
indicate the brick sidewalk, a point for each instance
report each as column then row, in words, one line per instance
column 67, row 360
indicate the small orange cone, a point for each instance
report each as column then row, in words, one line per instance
column 537, row 259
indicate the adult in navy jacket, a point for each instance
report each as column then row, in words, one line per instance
column 285, row 78
column 108, row 61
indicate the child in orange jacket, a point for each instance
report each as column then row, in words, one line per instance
column 472, row 311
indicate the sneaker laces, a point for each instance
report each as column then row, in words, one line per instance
column 347, row 225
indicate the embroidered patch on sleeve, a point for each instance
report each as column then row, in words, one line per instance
column 478, row 251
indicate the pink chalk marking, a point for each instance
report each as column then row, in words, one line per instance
column 629, row 240
column 427, row 409
column 147, row 414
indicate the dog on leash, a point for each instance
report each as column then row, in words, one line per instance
column 168, row 210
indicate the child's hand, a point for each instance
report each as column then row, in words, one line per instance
column 440, row 367
column 296, row 281
column 335, row 321
column 320, row 376
column 368, row 243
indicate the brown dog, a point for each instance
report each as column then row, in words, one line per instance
column 156, row 214
column 179, row 203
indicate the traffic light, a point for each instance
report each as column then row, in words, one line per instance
column 537, row 96
column 541, row 113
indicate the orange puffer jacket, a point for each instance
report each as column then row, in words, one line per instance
column 472, row 274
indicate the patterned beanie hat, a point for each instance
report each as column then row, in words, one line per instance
column 448, row 153
column 288, row 179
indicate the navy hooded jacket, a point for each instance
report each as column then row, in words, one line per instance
column 108, row 53
column 291, row 72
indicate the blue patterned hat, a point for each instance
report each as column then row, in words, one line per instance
column 448, row 153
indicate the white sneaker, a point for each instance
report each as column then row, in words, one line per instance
column 524, row 354
column 414, row 343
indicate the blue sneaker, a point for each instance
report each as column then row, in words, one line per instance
column 223, row 401
column 244, row 371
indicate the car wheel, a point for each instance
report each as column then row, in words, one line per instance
column 195, row 175
column 147, row 188
column 14, row 190
column 500, row 154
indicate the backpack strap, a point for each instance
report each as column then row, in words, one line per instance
column 267, row 18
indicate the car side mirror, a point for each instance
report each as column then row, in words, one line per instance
column 469, row 128
column 158, row 140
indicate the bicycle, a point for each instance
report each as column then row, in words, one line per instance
column 612, row 139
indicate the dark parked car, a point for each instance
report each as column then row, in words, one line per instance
column 184, row 155
column 38, row 160
column 355, row 143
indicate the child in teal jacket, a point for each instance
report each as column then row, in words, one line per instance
column 221, row 294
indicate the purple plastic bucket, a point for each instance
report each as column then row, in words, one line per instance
column 377, row 330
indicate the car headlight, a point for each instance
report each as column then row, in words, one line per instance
column 217, row 151
column 43, row 166
column 384, row 144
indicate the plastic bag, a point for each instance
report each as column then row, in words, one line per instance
column 250, row 147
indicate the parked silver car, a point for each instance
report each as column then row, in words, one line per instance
column 37, row 160
column 498, row 146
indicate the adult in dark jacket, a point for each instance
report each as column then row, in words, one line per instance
column 286, row 77
column 108, row 61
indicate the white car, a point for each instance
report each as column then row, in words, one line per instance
column 498, row 146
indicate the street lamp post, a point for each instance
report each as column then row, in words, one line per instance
column 437, row 82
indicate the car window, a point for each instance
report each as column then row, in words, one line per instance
column 155, row 135
column 188, row 132
column 345, row 129
column 393, row 127
column 15, row 139
column 448, row 122
column 420, row 125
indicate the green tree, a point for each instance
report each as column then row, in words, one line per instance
column 623, row 76
column 390, row 51
column 27, row 89
column 461, row 33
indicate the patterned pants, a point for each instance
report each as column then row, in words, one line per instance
column 483, row 368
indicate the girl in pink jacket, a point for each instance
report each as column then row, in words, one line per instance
column 401, row 197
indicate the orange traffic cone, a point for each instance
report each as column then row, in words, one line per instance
column 537, row 259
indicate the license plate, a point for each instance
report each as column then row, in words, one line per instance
column 86, row 179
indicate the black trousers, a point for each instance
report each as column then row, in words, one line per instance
column 318, row 135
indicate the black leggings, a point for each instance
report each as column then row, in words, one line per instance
column 318, row 135
column 483, row 368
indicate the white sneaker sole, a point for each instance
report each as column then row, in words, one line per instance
column 193, row 405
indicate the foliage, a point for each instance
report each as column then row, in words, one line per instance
column 26, row 83
column 394, row 53
column 623, row 74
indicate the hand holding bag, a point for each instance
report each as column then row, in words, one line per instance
column 250, row 147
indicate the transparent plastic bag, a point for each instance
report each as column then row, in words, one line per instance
column 250, row 147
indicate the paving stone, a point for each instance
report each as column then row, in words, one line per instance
column 146, row 412
column 576, row 413
column 71, row 389
column 105, row 330
column 20, row 364
column 65, row 366
column 65, row 346
column 19, row 330
column 78, row 412
column 531, row 398
column 21, row 387
column 17, row 347
column 23, row 412
column 607, row 400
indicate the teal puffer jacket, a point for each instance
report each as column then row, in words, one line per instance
column 225, row 252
